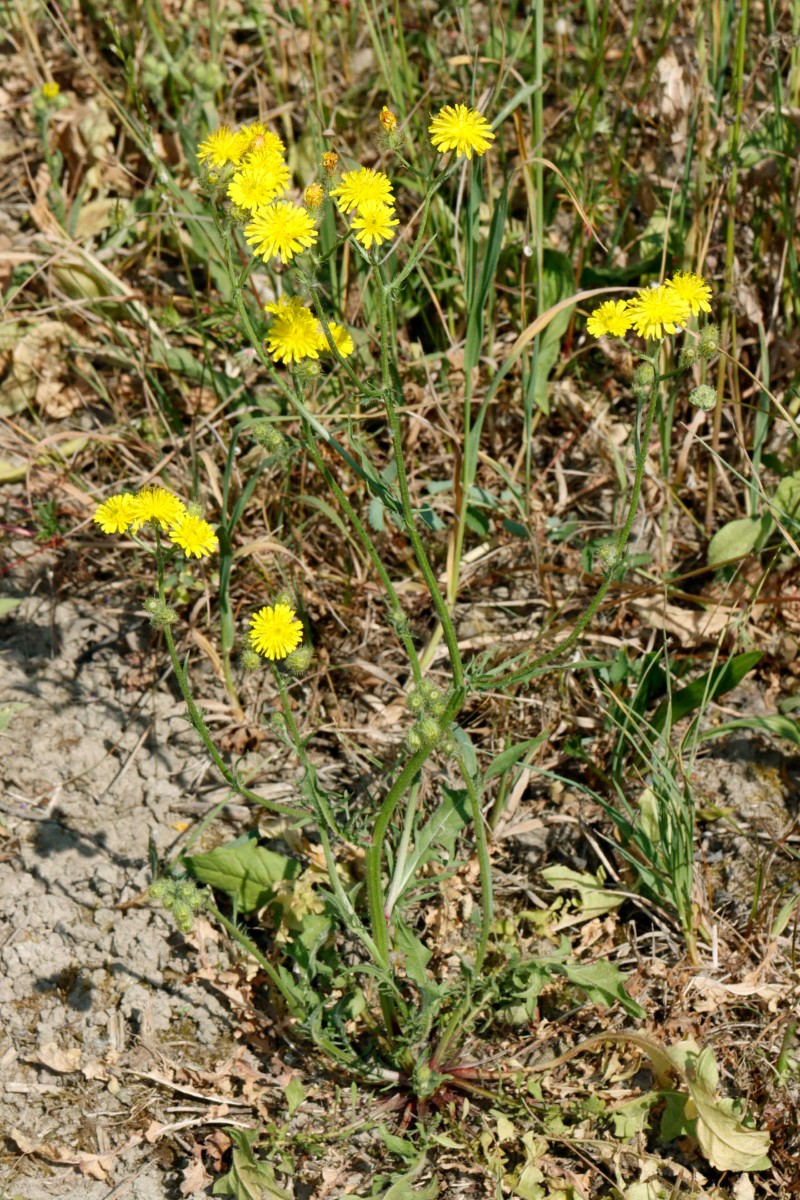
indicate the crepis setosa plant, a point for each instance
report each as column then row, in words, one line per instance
column 354, row 974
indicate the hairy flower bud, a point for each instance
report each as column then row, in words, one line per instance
column 607, row 555
column 249, row 660
column 688, row 358
column 313, row 195
column 159, row 612
column 703, row 397
column 414, row 740
column 388, row 120
column 298, row 662
column 415, row 701
column 643, row 378
column 708, row 343
column 329, row 160
column 267, row 436
column 429, row 730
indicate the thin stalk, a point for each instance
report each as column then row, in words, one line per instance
column 524, row 674
column 484, row 864
column 252, row 949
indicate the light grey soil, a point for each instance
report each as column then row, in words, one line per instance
column 94, row 981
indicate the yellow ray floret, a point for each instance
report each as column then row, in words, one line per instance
column 220, row 147
column 295, row 334
column 194, row 536
column 256, row 140
column 275, row 631
column 116, row 514
column 281, row 230
column 341, row 339
column 693, row 289
column 612, row 317
column 157, row 506
column 374, row 223
column 655, row 309
column 362, row 186
column 258, row 182
column 456, row 127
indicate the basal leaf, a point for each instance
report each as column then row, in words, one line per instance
column 244, row 870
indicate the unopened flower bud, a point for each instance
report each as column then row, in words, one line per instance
column 159, row 889
column 184, row 917
column 643, row 378
column 388, row 120
column 283, row 597
column 416, row 701
column 159, row 612
column 267, row 436
column 50, row 90
column 299, row 660
column 430, row 730
column 329, row 160
column 708, row 343
column 607, row 555
column 703, row 397
column 249, row 660
column 687, row 358
column 414, row 740
column 313, row 195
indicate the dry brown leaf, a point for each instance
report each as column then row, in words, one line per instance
column 96, row 1166
column 195, row 1177
column 688, row 625
column 52, row 1056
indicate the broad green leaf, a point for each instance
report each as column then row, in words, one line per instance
column 248, row 1179
column 295, row 1094
column 416, row 954
column 513, row 754
column 787, row 496
column 243, row 870
column 725, row 1141
column 630, row 1119
column 8, row 604
column 603, row 984
column 674, row 1121
column 439, row 832
column 397, row 1145
column 594, row 898
column 713, row 683
column 736, row 539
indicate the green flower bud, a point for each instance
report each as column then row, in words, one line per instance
column 607, row 555
column 159, row 612
column 708, row 343
column 267, row 436
column 414, row 740
column 703, row 397
column 184, row 917
column 687, row 358
column 298, row 662
column 159, row 889
column 249, row 660
column 415, row 701
column 283, row 598
column 430, row 730
column 643, row 378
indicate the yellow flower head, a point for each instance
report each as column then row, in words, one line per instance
column 363, row 186
column 313, row 195
column 284, row 229
column 50, row 90
column 295, row 334
column 341, row 339
column 611, row 317
column 158, row 506
column 275, row 631
column 691, row 288
column 258, row 182
column 256, row 140
column 655, row 308
column 220, row 147
column 116, row 514
column 283, row 304
column 374, row 223
column 388, row 120
column 456, row 127
column 194, row 536
column 329, row 160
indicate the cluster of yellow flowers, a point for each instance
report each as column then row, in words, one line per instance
column 295, row 332
column 653, row 312
column 368, row 195
column 156, row 506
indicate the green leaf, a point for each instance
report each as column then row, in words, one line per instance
column 244, row 870
column 787, row 496
column 248, row 1179
column 594, row 898
column 7, row 605
column 558, row 282
column 295, row 1094
column 439, row 832
column 603, row 984
column 397, row 1145
column 776, row 724
column 737, row 538
column 713, row 683
column 724, row 1140
column 630, row 1119
column 513, row 754
column 416, row 953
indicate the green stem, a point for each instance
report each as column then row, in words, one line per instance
column 423, row 562
column 525, row 673
column 292, row 1003
column 484, row 864
column 199, row 724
